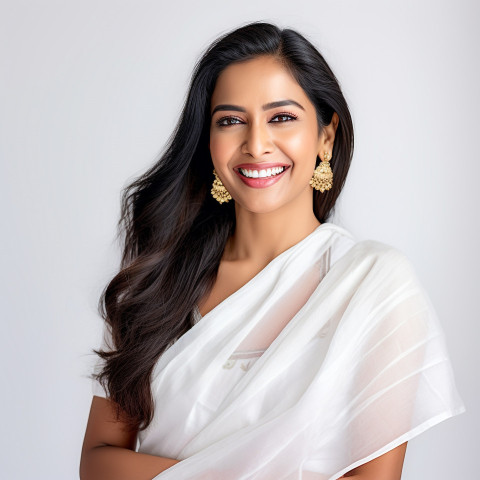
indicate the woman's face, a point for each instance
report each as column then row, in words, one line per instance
column 261, row 116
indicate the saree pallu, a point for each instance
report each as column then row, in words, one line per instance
column 356, row 363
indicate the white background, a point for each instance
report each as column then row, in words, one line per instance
column 90, row 92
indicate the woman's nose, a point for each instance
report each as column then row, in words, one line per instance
column 258, row 141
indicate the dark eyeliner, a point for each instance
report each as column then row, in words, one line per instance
column 284, row 114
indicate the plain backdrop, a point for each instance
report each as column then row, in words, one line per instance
column 90, row 92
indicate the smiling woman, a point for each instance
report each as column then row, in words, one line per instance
column 246, row 336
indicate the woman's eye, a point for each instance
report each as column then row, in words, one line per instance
column 221, row 123
column 284, row 115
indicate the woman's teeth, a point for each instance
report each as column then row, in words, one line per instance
column 269, row 172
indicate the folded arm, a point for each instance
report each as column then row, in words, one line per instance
column 108, row 451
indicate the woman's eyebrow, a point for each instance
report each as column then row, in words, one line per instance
column 267, row 106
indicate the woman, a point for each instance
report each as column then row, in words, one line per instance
column 246, row 336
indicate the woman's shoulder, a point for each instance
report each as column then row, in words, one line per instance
column 343, row 242
column 371, row 249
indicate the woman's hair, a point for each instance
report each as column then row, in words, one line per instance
column 174, row 232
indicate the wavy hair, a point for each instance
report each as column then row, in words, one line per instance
column 174, row 232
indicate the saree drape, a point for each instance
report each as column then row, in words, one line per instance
column 356, row 363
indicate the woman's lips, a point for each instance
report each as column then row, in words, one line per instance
column 261, row 182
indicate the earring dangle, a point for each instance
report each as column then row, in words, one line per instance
column 218, row 191
column 323, row 176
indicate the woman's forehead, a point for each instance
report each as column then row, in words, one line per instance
column 256, row 82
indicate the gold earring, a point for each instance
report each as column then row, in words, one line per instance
column 323, row 176
column 218, row 191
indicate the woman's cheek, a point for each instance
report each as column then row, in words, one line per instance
column 296, row 145
column 219, row 148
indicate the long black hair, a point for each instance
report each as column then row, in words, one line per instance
column 174, row 232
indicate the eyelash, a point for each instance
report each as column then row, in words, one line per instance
column 284, row 114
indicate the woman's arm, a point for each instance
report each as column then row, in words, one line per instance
column 385, row 467
column 108, row 449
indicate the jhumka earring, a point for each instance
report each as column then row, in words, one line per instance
column 323, row 176
column 218, row 191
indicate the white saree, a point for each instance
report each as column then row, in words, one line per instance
column 345, row 359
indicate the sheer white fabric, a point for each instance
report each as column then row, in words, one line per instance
column 355, row 363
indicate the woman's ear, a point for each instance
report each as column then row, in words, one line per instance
column 327, row 137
